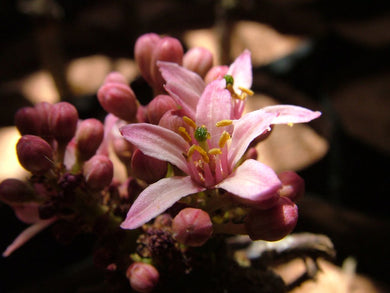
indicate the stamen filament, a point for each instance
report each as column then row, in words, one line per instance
column 225, row 122
column 189, row 121
column 201, row 151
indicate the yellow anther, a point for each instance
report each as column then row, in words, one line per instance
column 189, row 121
column 215, row 151
column 290, row 124
column 224, row 123
column 247, row 91
column 184, row 134
column 201, row 151
column 225, row 136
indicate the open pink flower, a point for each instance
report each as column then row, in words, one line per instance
column 208, row 152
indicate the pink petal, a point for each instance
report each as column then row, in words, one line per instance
column 157, row 142
column 245, row 130
column 214, row 105
column 291, row 114
column 241, row 70
column 183, row 85
column 253, row 182
column 158, row 197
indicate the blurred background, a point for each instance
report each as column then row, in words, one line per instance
column 330, row 56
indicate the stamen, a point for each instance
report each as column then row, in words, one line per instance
column 247, row 91
column 225, row 136
column 290, row 124
column 215, row 151
column 184, row 134
column 189, row 121
column 225, row 122
column 201, row 151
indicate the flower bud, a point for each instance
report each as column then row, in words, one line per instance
column 216, row 72
column 143, row 277
column 98, row 172
column 293, row 186
column 147, row 168
column 27, row 212
column 123, row 149
column 173, row 120
column 159, row 106
column 34, row 154
column 272, row 224
column 27, row 121
column 89, row 136
column 63, row 119
column 115, row 77
column 118, row 99
column 13, row 191
column 199, row 60
column 43, row 110
column 192, row 227
column 143, row 51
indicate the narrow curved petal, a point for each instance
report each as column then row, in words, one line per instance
column 183, row 85
column 158, row 197
column 291, row 114
column 253, row 182
column 157, row 142
column 245, row 130
column 241, row 70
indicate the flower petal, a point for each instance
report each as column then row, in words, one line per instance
column 241, row 70
column 247, row 128
column 158, row 197
column 157, row 142
column 254, row 183
column 183, row 85
column 291, row 114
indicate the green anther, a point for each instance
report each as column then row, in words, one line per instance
column 201, row 134
column 229, row 79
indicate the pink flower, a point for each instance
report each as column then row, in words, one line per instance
column 208, row 152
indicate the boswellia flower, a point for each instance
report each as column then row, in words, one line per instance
column 208, row 152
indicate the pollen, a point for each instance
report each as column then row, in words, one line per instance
column 201, row 151
column 184, row 134
column 190, row 122
column 225, row 136
column 224, row 123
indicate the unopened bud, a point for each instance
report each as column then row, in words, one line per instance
column 216, row 72
column 43, row 109
column 27, row 121
column 199, row 60
column 143, row 277
column 272, row 224
column 118, row 99
column 115, row 77
column 293, row 186
column 34, row 154
column 98, row 172
column 89, row 136
column 192, row 227
column 173, row 120
column 13, row 191
column 123, row 149
column 63, row 119
column 159, row 106
column 147, row 168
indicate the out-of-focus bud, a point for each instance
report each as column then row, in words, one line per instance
column 199, row 60
column 143, row 51
column 43, row 109
column 115, row 77
column 142, row 115
column 123, row 149
column 89, row 136
column 143, row 277
column 167, row 49
column 293, row 186
column 13, row 191
column 27, row 121
column 27, row 213
column 63, row 119
column 34, row 154
column 147, row 168
column 251, row 153
column 118, row 99
column 173, row 120
column 98, row 172
column 159, row 106
column 192, row 227
column 215, row 73
column 272, row 224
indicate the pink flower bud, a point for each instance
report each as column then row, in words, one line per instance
column 143, row 277
column 293, row 186
column 13, row 191
column 215, row 73
column 118, row 99
column 89, row 136
column 98, row 172
column 272, row 224
column 63, row 119
column 199, row 60
column 173, row 120
column 192, row 227
column 27, row 121
column 123, row 149
column 115, row 77
column 43, row 109
column 143, row 51
column 159, row 106
column 142, row 114
column 147, row 168
column 167, row 49
column 34, row 154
